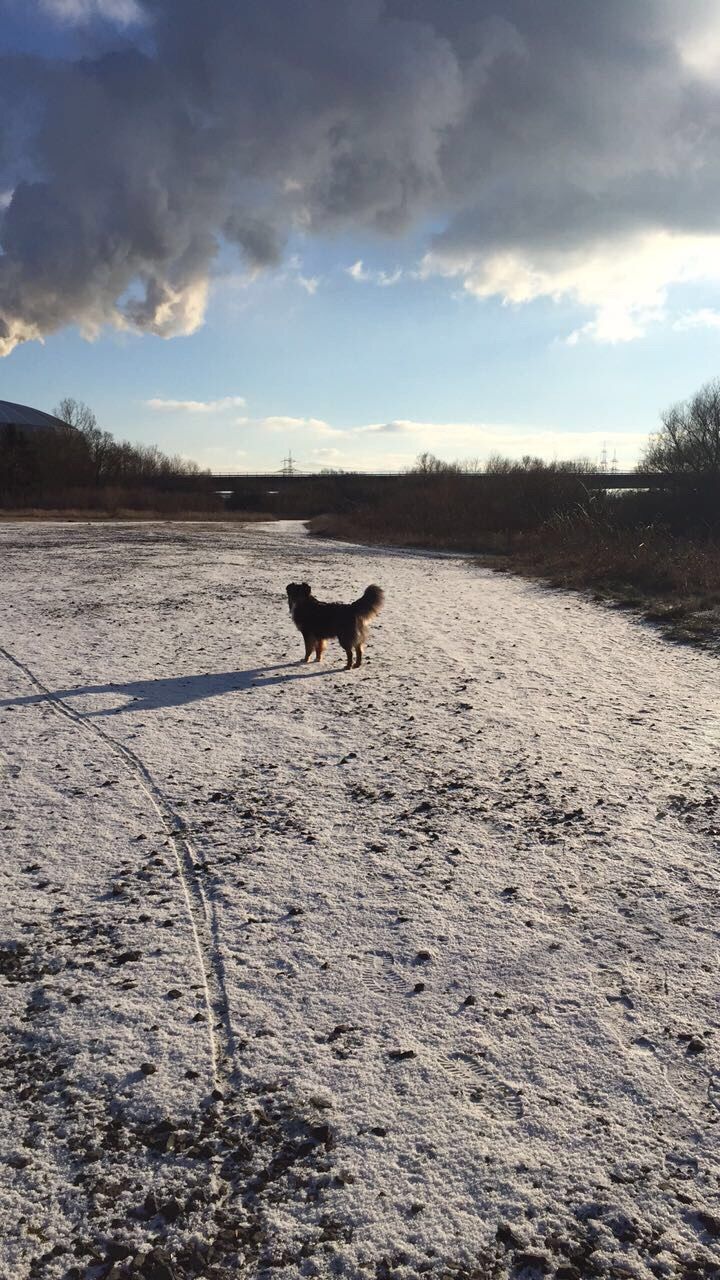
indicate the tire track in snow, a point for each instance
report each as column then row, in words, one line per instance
column 199, row 906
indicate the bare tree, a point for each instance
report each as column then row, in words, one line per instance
column 76, row 414
column 689, row 438
column 101, row 446
column 426, row 464
column 108, row 461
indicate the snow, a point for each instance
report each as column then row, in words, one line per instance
column 426, row 955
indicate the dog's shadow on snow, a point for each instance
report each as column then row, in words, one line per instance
column 177, row 691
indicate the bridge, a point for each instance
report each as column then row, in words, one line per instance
column 257, row 482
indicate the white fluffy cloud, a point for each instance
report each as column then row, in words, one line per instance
column 625, row 282
column 468, row 440
column 374, row 445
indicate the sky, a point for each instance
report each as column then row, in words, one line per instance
column 358, row 230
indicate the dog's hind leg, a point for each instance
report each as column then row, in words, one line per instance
column 358, row 655
column 320, row 648
column 349, row 656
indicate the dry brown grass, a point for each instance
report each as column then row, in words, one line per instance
column 362, row 526
column 673, row 583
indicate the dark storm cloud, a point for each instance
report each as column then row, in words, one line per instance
column 530, row 128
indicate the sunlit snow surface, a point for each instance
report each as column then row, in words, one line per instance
column 399, row 972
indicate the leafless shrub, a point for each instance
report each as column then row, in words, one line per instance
column 688, row 441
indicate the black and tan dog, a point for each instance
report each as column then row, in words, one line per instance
column 321, row 622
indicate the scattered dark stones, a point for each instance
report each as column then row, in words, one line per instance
column 533, row 1262
column 148, row 1068
column 507, row 1236
column 423, row 957
column 401, row 1055
column 624, row 1229
column 17, row 1160
column 710, row 1222
column 156, row 1267
column 340, row 1030
column 127, row 957
column 118, row 1251
column 170, row 1210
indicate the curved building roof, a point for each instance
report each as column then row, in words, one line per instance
column 21, row 415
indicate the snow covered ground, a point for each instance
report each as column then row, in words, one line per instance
column 411, row 971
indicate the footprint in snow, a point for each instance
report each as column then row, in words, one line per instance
column 478, row 1081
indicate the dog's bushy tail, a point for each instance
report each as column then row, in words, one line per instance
column 370, row 603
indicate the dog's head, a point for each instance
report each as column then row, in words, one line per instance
column 297, row 591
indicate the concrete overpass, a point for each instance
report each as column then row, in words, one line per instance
column 257, row 482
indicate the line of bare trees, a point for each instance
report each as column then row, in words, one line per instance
column 79, row 464
column 110, row 461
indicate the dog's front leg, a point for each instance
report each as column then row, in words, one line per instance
column 309, row 647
